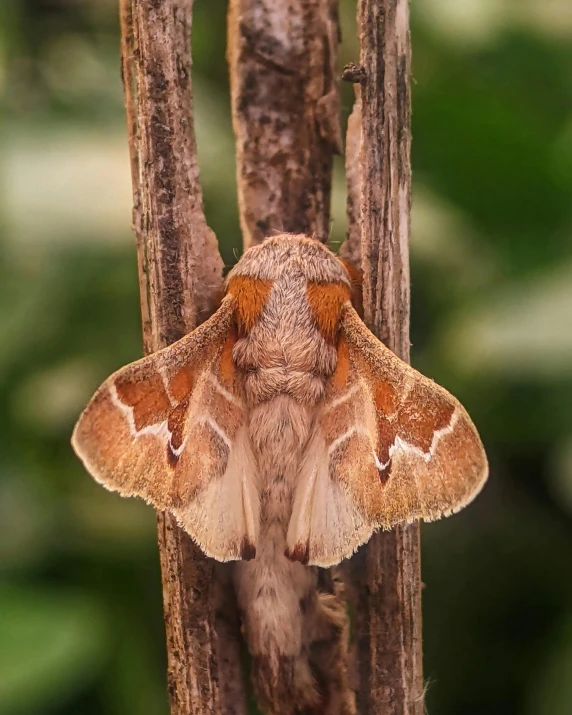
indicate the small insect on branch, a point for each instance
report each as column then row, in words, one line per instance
column 280, row 433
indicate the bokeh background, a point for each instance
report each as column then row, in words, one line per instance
column 80, row 611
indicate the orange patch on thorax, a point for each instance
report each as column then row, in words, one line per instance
column 357, row 285
column 326, row 301
column 251, row 295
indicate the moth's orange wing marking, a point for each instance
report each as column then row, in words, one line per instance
column 399, row 448
column 148, row 399
column 341, row 373
column 163, row 429
column 326, row 301
column 181, row 383
column 251, row 295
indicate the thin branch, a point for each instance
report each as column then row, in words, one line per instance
column 180, row 275
column 385, row 574
column 285, row 109
column 285, row 105
column 351, row 247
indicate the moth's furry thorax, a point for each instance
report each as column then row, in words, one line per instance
column 289, row 292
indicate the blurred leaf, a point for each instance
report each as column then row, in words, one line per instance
column 520, row 331
column 552, row 693
column 51, row 645
column 484, row 127
column 560, row 479
column 27, row 515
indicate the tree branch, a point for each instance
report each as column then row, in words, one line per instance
column 285, row 106
column 385, row 574
column 180, row 275
column 351, row 247
column 285, row 109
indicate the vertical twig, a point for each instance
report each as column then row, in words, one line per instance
column 386, row 572
column 351, row 248
column 285, row 109
column 180, row 274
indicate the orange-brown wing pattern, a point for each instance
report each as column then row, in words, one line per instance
column 398, row 447
column 163, row 429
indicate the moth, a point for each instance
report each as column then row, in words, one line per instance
column 282, row 433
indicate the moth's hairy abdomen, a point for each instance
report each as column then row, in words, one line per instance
column 281, row 433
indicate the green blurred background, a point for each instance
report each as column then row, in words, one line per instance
column 80, row 610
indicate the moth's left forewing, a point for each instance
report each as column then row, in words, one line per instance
column 398, row 448
column 131, row 436
column 170, row 428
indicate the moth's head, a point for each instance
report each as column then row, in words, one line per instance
column 293, row 260
column 292, row 255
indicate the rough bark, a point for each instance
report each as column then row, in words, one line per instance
column 351, row 247
column 385, row 574
column 180, row 276
column 285, row 105
column 285, row 109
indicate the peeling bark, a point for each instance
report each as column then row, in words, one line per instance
column 351, row 247
column 180, row 273
column 385, row 574
column 285, row 109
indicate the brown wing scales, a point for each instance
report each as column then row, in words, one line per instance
column 399, row 448
column 162, row 429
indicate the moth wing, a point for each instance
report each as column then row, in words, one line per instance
column 391, row 446
column 170, row 428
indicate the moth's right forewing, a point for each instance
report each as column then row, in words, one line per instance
column 165, row 429
column 429, row 458
column 397, row 447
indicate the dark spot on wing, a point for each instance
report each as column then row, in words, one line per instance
column 300, row 552
column 247, row 550
column 385, row 473
column 172, row 458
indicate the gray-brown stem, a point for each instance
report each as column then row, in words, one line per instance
column 385, row 574
column 285, row 109
column 180, row 273
column 285, row 106
column 351, row 247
